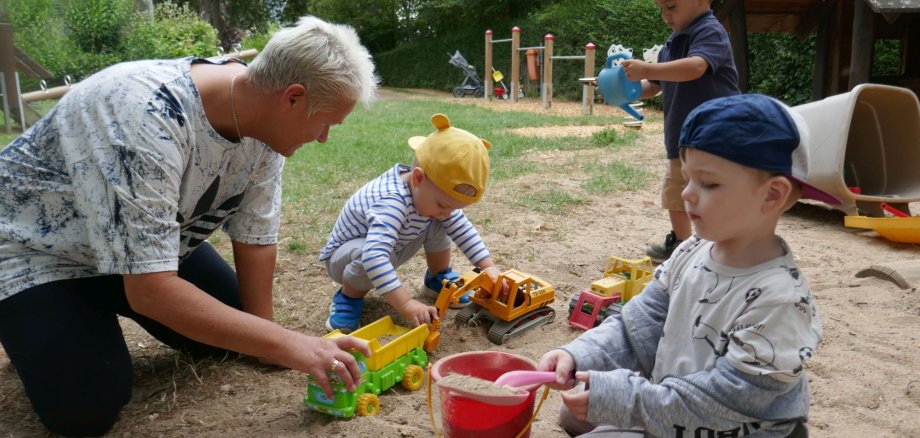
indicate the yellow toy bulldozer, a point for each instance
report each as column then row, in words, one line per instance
column 524, row 305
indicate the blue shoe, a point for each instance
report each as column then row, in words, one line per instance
column 434, row 284
column 344, row 313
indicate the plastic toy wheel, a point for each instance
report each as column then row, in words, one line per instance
column 506, row 96
column 479, row 92
column 458, row 92
column 573, row 302
column 413, row 378
column 368, row 404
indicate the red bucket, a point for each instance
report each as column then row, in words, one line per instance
column 463, row 417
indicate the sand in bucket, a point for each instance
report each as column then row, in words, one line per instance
column 463, row 417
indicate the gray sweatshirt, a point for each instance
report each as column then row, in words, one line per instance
column 705, row 350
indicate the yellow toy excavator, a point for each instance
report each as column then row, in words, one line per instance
column 513, row 304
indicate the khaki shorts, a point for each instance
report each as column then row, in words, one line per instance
column 674, row 183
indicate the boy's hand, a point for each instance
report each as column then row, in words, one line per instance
column 635, row 69
column 578, row 402
column 493, row 273
column 563, row 364
column 418, row 313
column 414, row 311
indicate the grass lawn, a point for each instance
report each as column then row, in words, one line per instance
column 320, row 177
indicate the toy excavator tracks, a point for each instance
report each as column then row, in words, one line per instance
column 501, row 331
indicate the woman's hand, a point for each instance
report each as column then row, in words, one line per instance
column 323, row 358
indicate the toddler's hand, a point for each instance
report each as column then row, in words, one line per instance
column 493, row 273
column 418, row 313
column 635, row 69
column 563, row 364
column 578, row 402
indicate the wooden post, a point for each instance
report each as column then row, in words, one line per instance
column 863, row 44
column 823, row 57
column 910, row 49
column 548, row 71
column 587, row 106
column 739, row 40
column 515, row 63
column 840, row 49
column 8, row 69
column 487, row 83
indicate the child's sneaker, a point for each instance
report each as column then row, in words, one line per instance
column 344, row 313
column 434, row 284
column 659, row 253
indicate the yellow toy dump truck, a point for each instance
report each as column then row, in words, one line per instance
column 623, row 279
column 523, row 307
column 400, row 359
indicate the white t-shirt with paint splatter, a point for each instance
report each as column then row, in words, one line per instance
column 125, row 175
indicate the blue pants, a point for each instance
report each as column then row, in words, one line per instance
column 65, row 342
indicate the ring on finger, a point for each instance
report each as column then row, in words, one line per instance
column 335, row 365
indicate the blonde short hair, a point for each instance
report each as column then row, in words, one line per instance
column 326, row 58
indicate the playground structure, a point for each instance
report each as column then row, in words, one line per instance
column 12, row 61
column 15, row 103
column 546, row 60
column 863, row 147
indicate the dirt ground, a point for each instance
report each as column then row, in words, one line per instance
column 865, row 379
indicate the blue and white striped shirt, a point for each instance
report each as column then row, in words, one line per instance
column 383, row 212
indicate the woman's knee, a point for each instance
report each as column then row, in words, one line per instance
column 81, row 410
column 80, row 418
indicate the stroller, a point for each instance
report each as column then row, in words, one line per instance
column 471, row 82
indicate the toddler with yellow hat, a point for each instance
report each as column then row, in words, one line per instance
column 386, row 222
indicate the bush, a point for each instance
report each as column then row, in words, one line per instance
column 173, row 32
column 39, row 31
column 78, row 38
column 782, row 66
column 96, row 26
column 259, row 40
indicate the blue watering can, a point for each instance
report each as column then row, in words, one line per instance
column 616, row 88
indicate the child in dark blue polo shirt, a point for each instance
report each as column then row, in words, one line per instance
column 695, row 65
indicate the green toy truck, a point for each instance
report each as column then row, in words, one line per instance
column 401, row 359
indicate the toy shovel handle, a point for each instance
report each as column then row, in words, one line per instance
column 892, row 210
column 615, row 56
column 524, row 378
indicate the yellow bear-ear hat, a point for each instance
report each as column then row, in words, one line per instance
column 452, row 157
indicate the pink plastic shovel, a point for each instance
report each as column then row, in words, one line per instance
column 524, row 378
column 516, row 378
